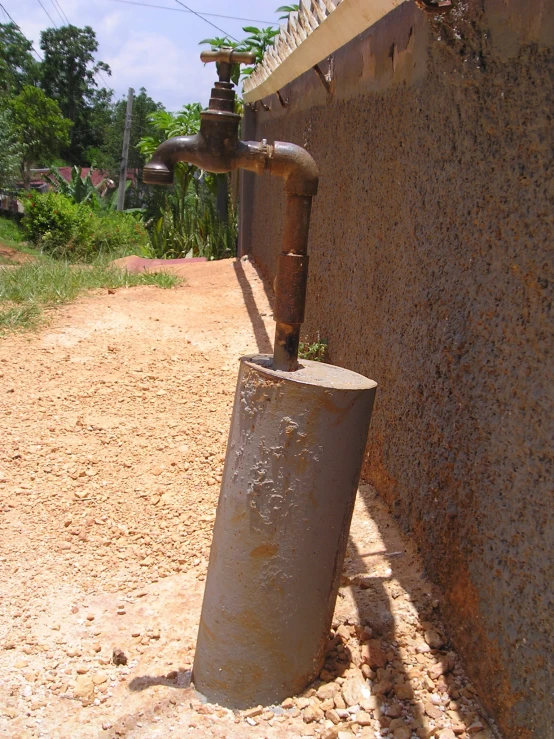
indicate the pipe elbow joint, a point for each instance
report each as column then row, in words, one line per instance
column 296, row 166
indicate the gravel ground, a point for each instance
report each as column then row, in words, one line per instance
column 113, row 422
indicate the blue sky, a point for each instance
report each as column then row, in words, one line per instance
column 145, row 47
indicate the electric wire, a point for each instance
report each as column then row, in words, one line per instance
column 227, row 35
column 47, row 13
column 19, row 29
column 62, row 11
column 58, row 12
column 181, row 10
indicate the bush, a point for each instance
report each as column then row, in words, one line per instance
column 74, row 231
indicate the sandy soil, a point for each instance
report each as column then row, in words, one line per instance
column 113, row 423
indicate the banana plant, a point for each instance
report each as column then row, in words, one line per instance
column 79, row 189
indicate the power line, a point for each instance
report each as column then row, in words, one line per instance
column 59, row 8
column 19, row 29
column 228, row 35
column 58, row 12
column 180, row 10
column 47, row 13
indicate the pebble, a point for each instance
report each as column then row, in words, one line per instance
column 355, row 690
column 434, row 639
column 402, row 732
column 84, row 689
column 312, row 713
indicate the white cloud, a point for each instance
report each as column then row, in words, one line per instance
column 151, row 60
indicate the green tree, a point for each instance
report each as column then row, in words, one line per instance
column 17, row 66
column 68, row 75
column 40, row 126
column 10, row 151
column 109, row 155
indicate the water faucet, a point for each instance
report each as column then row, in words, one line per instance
column 217, row 148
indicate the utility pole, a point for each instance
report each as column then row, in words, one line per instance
column 125, row 152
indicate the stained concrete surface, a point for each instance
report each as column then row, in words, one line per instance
column 431, row 272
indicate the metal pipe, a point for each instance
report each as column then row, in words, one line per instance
column 291, row 472
column 217, row 148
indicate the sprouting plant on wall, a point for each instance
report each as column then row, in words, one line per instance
column 286, row 9
column 316, row 351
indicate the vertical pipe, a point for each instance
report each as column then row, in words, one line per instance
column 290, row 289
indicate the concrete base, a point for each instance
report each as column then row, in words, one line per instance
column 291, row 474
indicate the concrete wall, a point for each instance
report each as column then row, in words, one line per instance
column 431, row 272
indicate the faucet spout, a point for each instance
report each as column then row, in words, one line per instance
column 159, row 170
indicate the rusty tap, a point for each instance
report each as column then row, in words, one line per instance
column 217, row 148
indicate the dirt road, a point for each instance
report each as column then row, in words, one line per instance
column 113, row 423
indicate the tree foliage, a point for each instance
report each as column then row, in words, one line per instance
column 40, row 127
column 68, row 76
column 17, row 65
column 10, row 151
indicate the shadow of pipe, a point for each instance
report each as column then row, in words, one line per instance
column 398, row 709
column 420, row 670
column 176, row 679
column 262, row 338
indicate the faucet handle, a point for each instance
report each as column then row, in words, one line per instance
column 225, row 58
column 228, row 56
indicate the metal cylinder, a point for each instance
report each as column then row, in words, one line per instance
column 291, row 473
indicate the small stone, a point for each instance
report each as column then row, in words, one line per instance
column 355, row 689
column 434, row 639
column 402, row 732
column 329, row 690
column 331, row 733
column 436, row 670
column 339, row 701
column 326, row 675
column 119, row 657
column 403, row 691
column 99, row 678
column 475, row 727
column 432, row 711
column 251, row 712
column 374, row 654
column 370, row 704
column 332, row 716
column 446, row 734
column 82, row 670
column 84, row 689
column 383, row 687
column 21, row 664
column 393, row 710
column 363, row 719
column 312, row 713
column 106, row 725
column 288, row 703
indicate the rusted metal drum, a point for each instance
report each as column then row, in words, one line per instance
column 291, row 473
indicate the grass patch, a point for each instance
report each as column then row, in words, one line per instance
column 26, row 290
column 11, row 232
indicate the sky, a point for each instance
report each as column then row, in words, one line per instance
column 148, row 47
